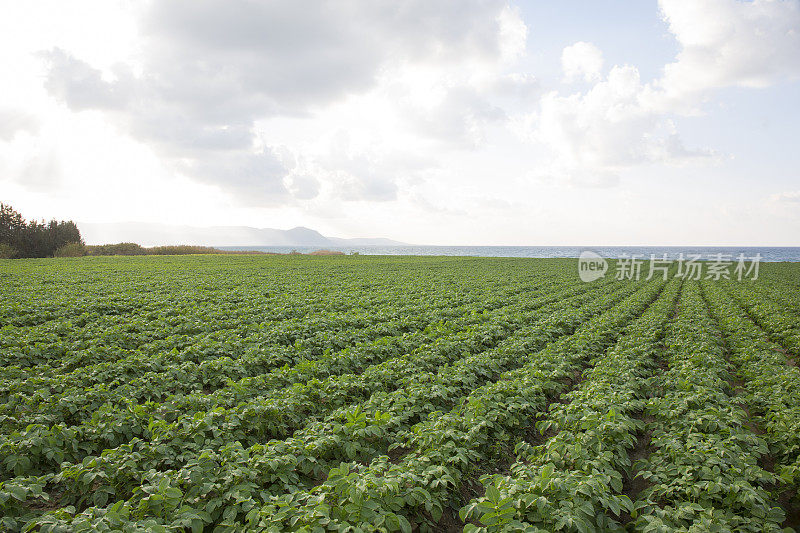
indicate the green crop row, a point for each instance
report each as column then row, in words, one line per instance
column 771, row 387
column 449, row 447
column 378, row 394
column 204, row 434
column 704, row 471
column 573, row 481
column 175, row 376
column 281, row 404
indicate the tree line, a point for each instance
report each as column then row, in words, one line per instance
column 131, row 248
column 22, row 238
column 57, row 238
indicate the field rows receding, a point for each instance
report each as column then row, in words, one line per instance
column 277, row 403
column 244, row 393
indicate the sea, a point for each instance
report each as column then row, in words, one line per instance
column 767, row 254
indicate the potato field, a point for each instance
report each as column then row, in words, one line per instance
column 379, row 393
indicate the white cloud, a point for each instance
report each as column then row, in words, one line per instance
column 730, row 43
column 82, row 86
column 513, row 33
column 610, row 127
column 13, row 121
column 458, row 118
column 621, row 122
column 354, row 114
column 302, row 186
column 582, row 60
column 788, row 196
column 210, row 70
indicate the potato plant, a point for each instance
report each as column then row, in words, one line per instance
column 359, row 394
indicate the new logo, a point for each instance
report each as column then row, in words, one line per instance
column 591, row 266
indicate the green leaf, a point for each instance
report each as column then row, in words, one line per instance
column 19, row 493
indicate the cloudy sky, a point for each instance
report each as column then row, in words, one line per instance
column 434, row 122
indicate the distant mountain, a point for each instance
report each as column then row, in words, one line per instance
column 149, row 234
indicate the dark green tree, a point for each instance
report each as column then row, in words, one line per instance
column 35, row 239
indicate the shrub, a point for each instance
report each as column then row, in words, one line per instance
column 122, row 248
column 72, row 249
column 7, row 251
column 326, row 252
column 181, row 249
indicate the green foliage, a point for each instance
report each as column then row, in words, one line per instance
column 7, row 251
column 130, row 248
column 122, row 248
column 275, row 393
column 183, row 249
column 73, row 249
column 19, row 238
